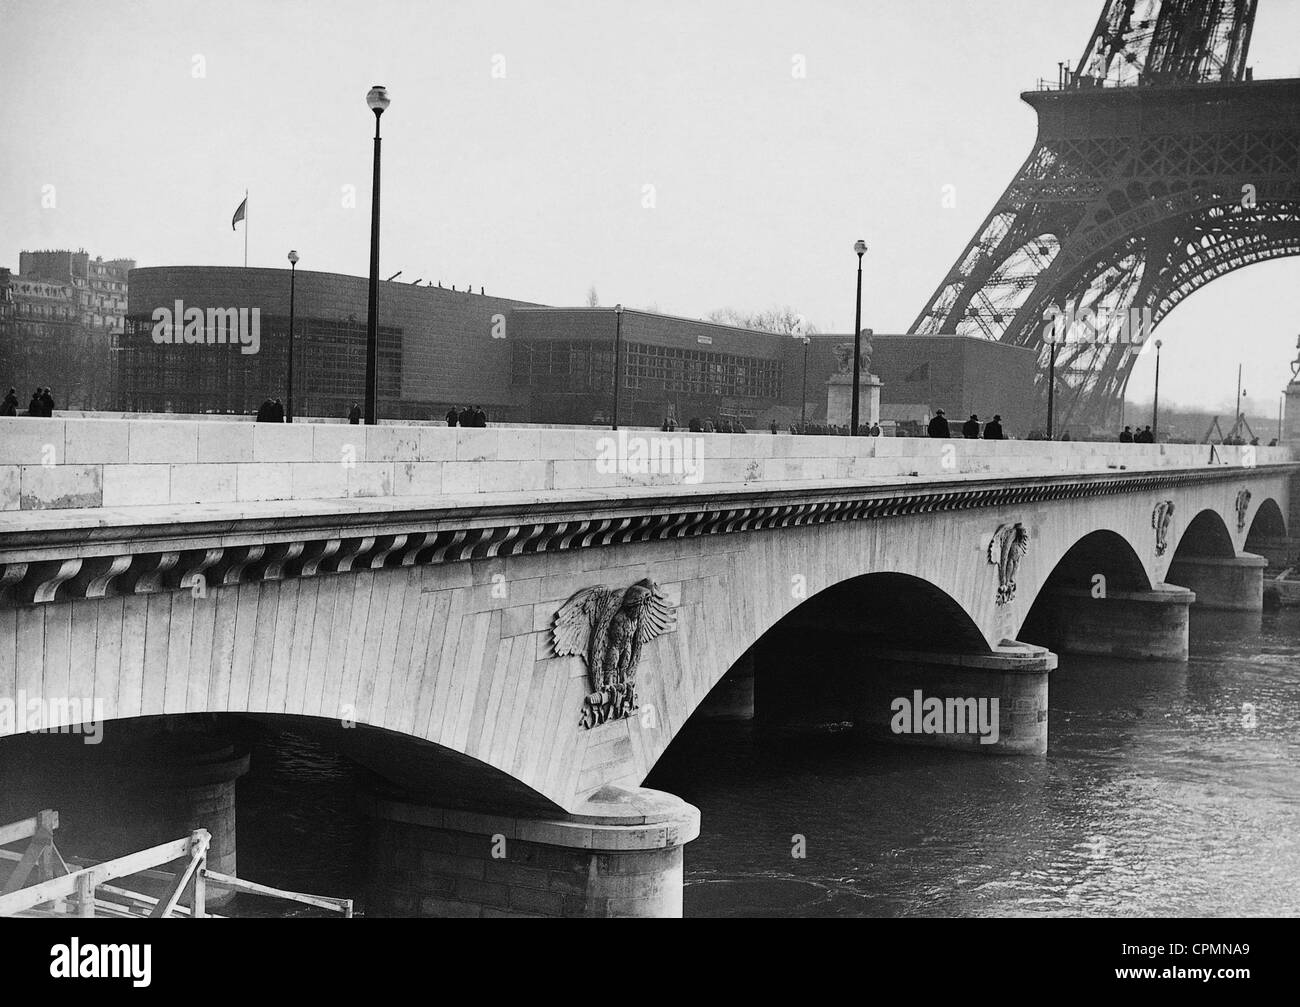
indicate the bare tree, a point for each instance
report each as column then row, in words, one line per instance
column 782, row 319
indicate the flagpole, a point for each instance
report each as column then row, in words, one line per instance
column 245, row 228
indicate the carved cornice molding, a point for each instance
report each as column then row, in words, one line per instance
column 201, row 557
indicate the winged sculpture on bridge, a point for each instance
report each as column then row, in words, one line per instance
column 607, row 628
column 1006, row 548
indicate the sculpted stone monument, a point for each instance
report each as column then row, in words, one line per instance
column 1291, row 425
column 839, row 387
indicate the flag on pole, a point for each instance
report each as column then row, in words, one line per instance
column 239, row 214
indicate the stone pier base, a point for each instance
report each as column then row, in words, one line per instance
column 620, row 857
column 191, row 780
column 1277, row 550
column 990, row 704
column 1144, row 625
column 1226, row 583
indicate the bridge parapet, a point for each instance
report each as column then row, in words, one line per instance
column 59, row 463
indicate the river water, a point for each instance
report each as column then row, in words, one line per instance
column 1168, row 790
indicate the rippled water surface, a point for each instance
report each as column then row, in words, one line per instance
column 1169, row 789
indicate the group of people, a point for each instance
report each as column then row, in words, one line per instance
column 42, row 403
column 834, row 430
column 1143, row 436
column 466, row 417
column 707, row 426
column 270, row 411
column 970, row 430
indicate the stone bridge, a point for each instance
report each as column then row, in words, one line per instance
column 395, row 591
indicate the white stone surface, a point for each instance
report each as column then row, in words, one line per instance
column 281, row 442
column 225, row 442
column 335, row 443
column 316, row 480
column 392, row 444
column 136, row 485
column 10, row 480
column 60, row 486
column 31, row 440
column 94, row 442
column 213, row 483
column 160, row 442
column 263, row 481
column 334, row 461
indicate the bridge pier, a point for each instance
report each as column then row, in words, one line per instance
column 836, row 680
column 1277, row 550
column 1146, row 625
column 994, row 704
column 192, row 781
column 621, row 856
column 142, row 785
column 1225, row 583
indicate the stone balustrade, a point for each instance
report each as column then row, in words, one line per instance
column 63, row 463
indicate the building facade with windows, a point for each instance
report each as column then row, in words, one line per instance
column 58, row 317
column 98, row 286
column 562, row 367
column 522, row 362
column 436, row 346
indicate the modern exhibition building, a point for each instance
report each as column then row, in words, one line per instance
column 215, row 339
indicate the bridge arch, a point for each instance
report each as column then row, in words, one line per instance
column 814, row 665
column 1105, row 552
column 1206, row 535
column 1268, row 523
column 412, row 768
column 1100, row 565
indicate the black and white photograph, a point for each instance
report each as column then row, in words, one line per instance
column 776, row 459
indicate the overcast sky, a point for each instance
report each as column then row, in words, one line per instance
column 522, row 137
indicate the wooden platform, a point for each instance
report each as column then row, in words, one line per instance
column 174, row 871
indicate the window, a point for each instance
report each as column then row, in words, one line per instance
column 579, row 365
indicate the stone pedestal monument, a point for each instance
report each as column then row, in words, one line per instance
column 1291, row 420
column 839, row 388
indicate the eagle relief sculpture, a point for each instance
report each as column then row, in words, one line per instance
column 1007, row 547
column 1160, row 522
column 607, row 628
column 1243, row 506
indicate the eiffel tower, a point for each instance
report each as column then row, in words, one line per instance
column 1160, row 164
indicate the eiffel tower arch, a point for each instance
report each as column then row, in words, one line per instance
column 1159, row 166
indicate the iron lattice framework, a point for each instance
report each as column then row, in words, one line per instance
column 1159, row 165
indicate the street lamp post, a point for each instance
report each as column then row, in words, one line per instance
column 803, row 412
column 377, row 99
column 1236, row 419
column 860, row 247
column 293, row 276
column 1155, row 404
column 1051, row 392
column 618, row 340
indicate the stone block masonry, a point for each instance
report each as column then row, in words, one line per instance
column 64, row 464
column 621, row 857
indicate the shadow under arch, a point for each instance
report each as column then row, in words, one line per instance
column 809, row 666
column 415, row 770
column 1205, row 535
column 109, row 808
column 1267, row 532
column 1100, row 563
